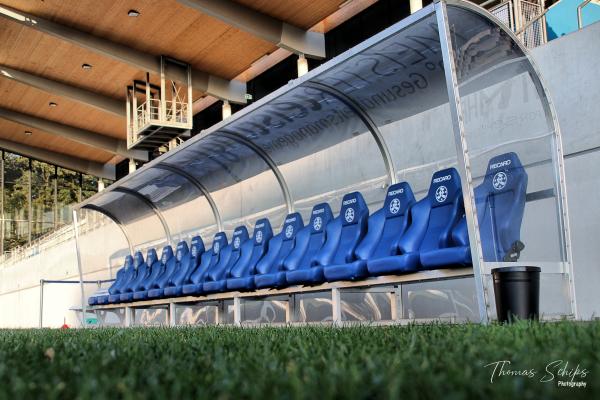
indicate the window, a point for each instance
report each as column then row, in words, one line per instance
column 37, row 197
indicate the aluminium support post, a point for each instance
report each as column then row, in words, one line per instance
column 79, row 267
column 172, row 314
column 237, row 311
column 463, row 163
column 128, row 317
column 41, row 303
column 336, row 306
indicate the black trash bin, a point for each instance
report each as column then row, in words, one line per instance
column 517, row 292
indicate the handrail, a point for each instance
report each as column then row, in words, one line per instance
column 579, row 10
column 488, row 2
column 531, row 22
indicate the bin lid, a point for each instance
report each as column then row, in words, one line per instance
column 516, row 268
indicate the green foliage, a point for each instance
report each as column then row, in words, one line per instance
column 71, row 187
column 414, row 362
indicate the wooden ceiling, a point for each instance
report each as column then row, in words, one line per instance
column 164, row 27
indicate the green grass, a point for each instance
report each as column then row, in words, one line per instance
column 427, row 361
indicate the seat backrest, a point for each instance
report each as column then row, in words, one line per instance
column 145, row 270
column 500, row 203
column 388, row 224
column 168, row 266
column 138, row 267
column 131, row 273
column 208, row 259
column 229, row 255
column 158, row 268
column 345, row 232
column 188, row 263
column 310, row 239
column 121, row 276
column 182, row 259
column 253, row 250
column 281, row 245
column 434, row 216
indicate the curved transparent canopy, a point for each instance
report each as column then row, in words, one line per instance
column 446, row 87
column 320, row 145
column 400, row 83
column 139, row 220
column 183, row 206
column 240, row 182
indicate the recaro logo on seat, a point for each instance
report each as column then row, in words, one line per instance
column 289, row 220
column 259, row 236
column 442, row 179
column 259, row 226
column 349, row 201
column 317, row 223
column 289, row 231
column 395, row 192
column 319, row 211
column 501, row 164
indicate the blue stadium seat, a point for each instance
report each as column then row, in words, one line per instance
column 344, row 233
column 456, row 253
column 185, row 268
column 241, row 275
column 156, row 269
column 300, row 264
column 216, row 277
column 270, row 271
column 115, row 287
column 500, row 203
column 141, row 273
column 129, row 275
column 194, row 281
column 168, row 268
column 433, row 219
column 386, row 226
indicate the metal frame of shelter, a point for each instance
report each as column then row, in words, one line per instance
column 463, row 53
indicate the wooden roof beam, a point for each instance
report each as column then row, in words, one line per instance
column 213, row 85
column 98, row 101
column 82, row 136
column 282, row 34
column 94, row 168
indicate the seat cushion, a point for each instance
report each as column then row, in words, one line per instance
column 244, row 283
column 394, row 264
column 274, row 280
column 443, row 258
column 307, row 276
column 141, row 295
column 215, row 286
column 346, row 272
column 173, row 291
column 126, row 296
column 155, row 293
column 194, row 288
column 114, row 298
column 102, row 299
column 92, row 301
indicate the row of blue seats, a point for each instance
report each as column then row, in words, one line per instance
column 404, row 236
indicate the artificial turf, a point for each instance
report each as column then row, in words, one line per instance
column 417, row 361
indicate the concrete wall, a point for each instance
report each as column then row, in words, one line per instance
column 568, row 66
